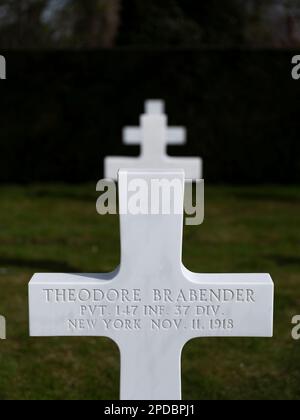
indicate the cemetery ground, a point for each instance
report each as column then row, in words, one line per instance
column 55, row 228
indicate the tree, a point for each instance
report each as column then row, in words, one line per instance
column 273, row 23
column 86, row 24
column 20, row 24
column 58, row 23
column 186, row 23
column 92, row 24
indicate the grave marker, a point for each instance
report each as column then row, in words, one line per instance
column 154, row 136
column 151, row 306
column 2, row 68
column 2, row 328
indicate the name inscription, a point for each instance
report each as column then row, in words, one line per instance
column 157, row 310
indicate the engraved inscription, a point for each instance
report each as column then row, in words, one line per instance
column 161, row 310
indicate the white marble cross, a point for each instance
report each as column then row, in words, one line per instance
column 2, row 328
column 151, row 306
column 154, row 136
column 2, row 67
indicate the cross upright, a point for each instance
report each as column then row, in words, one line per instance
column 151, row 306
column 153, row 136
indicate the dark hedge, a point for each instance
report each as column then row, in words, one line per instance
column 61, row 113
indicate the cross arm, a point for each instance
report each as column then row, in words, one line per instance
column 71, row 304
column 229, row 305
column 175, row 136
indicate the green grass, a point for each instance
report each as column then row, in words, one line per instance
column 56, row 228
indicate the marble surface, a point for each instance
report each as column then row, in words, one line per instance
column 151, row 305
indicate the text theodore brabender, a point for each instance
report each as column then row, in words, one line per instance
column 158, row 295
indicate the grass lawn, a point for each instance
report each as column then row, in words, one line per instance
column 57, row 229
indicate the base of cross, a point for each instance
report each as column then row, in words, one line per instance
column 151, row 306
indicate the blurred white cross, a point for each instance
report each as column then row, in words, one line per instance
column 2, row 328
column 2, row 67
column 154, row 136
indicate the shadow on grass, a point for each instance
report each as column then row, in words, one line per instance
column 284, row 260
column 293, row 197
column 57, row 194
column 35, row 264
